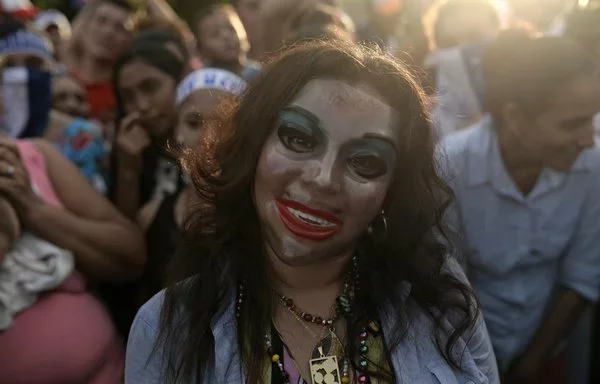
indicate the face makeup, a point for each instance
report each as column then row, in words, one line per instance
column 305, row 222
column 325, row 170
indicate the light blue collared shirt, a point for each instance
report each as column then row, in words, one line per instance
column 517, row 248
column 415, row 359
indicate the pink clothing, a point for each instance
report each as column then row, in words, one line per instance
column 67, row 336
column 290, row 368
column 35, row 163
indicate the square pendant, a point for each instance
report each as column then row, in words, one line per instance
column 325, row 370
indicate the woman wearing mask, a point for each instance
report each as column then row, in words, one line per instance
column 145, row 80
column 316, row 255
column 162, row 220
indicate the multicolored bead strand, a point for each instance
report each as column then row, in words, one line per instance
column 363, row 363
column 345, row 372
column 276, row 360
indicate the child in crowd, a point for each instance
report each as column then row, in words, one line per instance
column 162, row 220
column 68, row 96
column 80, row 140
column 222, row 41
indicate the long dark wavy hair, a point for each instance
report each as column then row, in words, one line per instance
column 223, row 242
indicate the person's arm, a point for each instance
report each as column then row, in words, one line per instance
column 131, row 141
column 562, row 317
column 57, row 124
column 127, row 188
column 106, row 245
column 579, row 284
column 146, row 215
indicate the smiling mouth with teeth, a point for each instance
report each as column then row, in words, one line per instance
column 306, row 222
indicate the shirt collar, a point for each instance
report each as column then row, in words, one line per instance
column 485, row 163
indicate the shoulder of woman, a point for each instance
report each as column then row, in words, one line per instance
column 143, row 360
column 149, row 313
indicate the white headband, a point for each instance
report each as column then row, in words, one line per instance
column 209, row 78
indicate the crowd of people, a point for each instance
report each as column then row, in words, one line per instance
column 300, row 191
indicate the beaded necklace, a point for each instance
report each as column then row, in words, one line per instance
column 274, row 348
column 325, row 368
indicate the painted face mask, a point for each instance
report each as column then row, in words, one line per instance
column 27, row 98
column 324, row 171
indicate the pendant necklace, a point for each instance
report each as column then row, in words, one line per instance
column 324, row 364
column 324, row 369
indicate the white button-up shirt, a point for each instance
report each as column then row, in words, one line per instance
column 518, row 248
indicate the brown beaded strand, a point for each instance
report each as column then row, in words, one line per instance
column 289, row 304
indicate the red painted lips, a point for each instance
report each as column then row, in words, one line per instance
column 306, row 222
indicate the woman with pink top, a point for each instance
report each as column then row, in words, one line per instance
column 62, row 334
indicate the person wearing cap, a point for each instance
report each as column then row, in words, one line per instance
column 26, row 59
column 56, row 25
column 19, row 9
column 161, row 220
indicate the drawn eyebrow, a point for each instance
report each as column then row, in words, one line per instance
column 384, row 138
column 305, row 113
column 315, row 120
